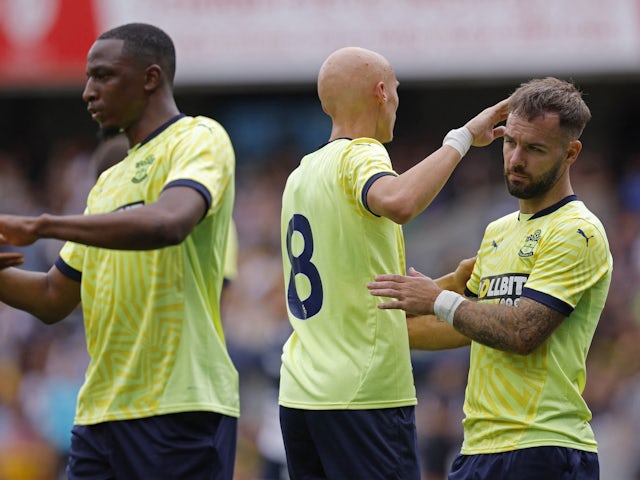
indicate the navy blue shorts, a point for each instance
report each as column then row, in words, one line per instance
column 193, row 445
column 351, row 444
column 539, row 463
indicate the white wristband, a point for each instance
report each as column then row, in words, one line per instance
column 460, row 139
column 446, row 304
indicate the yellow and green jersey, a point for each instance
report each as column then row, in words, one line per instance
column 152, row 317
column 230, row 268
column 558, row 257
column 344, row 352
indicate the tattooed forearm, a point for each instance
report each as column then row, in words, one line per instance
column 513, row 329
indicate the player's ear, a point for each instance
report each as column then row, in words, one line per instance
column 575, row 146
column 153, row 75
column 380, row 92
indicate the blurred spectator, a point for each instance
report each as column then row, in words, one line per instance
column 630, row 184
column 440, row 384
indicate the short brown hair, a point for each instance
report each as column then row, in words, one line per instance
column 552, row 95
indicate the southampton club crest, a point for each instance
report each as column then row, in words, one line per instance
column 530, row 244
column 142, row 168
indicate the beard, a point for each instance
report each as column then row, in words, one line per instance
column 537, row 186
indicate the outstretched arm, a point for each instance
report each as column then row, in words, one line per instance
column 52, row 296
column 403, row 197
column 518, row 329
column 428, row 332
column 165, row 222
column 48, row 296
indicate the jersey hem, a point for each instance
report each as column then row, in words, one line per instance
column 348, row 406
column 231, row 412
column 543, row 443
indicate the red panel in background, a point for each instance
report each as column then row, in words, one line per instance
column 46, row 47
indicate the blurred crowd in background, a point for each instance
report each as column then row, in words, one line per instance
column 42, row 367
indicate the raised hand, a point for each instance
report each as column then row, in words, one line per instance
column 483, row 126
column 415, row 293
column 462, row 273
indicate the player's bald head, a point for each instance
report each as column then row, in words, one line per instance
column 348, row 78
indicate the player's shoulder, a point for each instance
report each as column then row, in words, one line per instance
column 204, row 123
column 198, row 125
column 577, row 209
column 351, row 145
column 366, row 143
column 366, row 150
column 576, row 216
column 576, row 228
column 503, row 222
column 201, row 131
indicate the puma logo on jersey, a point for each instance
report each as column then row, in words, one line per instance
column 205, row 126
column 581, row 232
